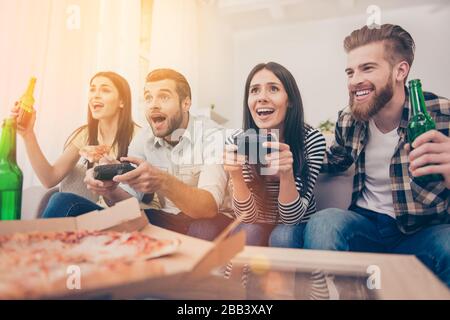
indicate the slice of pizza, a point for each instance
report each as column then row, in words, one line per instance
column 102, row 246
column 94, row 153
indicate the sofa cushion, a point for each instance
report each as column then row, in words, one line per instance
column 334, row 190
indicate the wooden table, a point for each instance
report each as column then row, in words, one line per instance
column 286, row 274
column 400, row 276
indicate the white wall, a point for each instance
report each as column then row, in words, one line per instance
column 174, row 39
column 216, row 62
column 313, row 52
column 35, row 40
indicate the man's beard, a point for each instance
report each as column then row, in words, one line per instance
column 366, row 110
column 173, row 123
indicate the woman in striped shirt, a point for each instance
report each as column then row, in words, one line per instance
column 275, row 208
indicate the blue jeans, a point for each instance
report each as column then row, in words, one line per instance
column 283, row 236
column 368, row 231
column 286, row 236
column 62, row 205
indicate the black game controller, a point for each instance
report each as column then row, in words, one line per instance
column 251, row 145
column 109, row 171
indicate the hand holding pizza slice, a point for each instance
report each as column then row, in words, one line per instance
column 94, row 153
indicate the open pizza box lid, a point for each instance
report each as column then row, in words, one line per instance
column 193, row 260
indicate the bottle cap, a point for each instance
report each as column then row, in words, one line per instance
column 415, row 83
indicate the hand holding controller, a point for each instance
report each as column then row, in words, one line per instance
column 109, row 171
column 252, row 146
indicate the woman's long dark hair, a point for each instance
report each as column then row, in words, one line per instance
column 294, row 124
column 125, row 126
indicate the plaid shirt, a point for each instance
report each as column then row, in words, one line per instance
column 416, row 204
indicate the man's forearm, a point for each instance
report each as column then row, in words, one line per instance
column 194, row 202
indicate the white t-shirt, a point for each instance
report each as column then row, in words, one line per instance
column 377, row 194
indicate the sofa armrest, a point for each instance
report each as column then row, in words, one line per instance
column 34, row 201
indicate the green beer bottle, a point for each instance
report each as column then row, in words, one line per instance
column 11, row 177
column 420, row 121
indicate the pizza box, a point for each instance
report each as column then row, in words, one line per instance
column 160, row 277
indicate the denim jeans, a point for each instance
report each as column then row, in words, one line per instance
column 284, row 236
column 63, row 204
column 363, row 230
column 287, row 236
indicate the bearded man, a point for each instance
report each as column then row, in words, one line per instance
column 391, row 211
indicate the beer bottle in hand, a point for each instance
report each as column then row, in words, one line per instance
column 26, row 103
column 420, row 121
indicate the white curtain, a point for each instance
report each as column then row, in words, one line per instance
column 63, row 43
column 175, row 39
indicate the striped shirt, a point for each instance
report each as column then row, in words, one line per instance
column 270, row 210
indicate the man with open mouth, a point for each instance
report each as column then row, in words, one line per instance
column 172, row 162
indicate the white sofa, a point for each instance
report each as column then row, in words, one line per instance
column 34, row 201
column 334, row 190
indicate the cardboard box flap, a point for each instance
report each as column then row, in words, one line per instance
column 131, row 225
column 220, row 254
column 126, row 213
column 120, row 213
column 41, row 225
column 225, row 247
